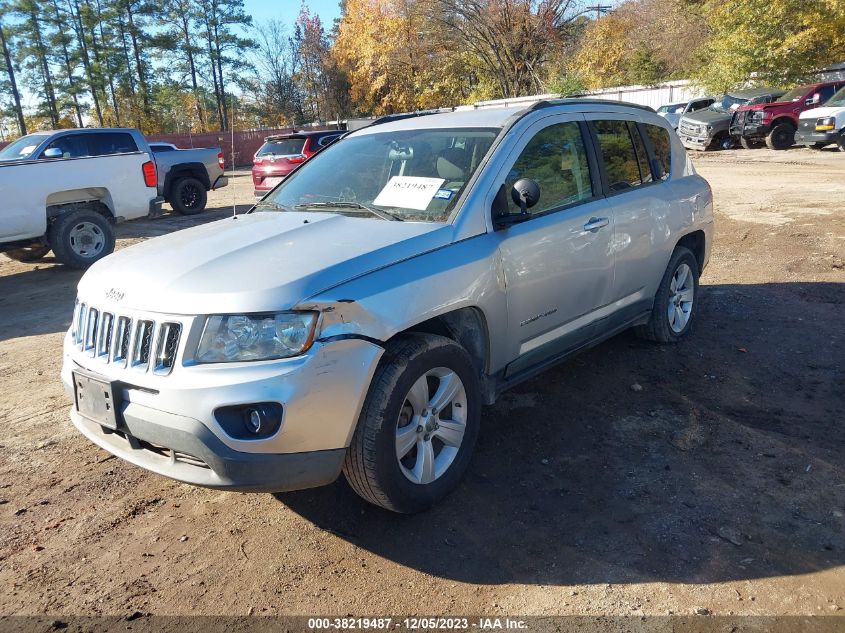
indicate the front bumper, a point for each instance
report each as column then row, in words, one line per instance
column 184, row 449
column 695, row 142
column 162, row 417
column 812, row 138
column 752, row 130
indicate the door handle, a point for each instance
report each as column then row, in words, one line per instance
column 595, row 224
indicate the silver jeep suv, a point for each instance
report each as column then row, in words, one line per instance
column 362, row 314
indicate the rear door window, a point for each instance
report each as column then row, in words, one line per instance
column 108, row 143
column 616, row 149
column 282, row 147
column 660, row 147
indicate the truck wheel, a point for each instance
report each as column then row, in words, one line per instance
column 782, row 136
column 840, row 142
column 188, row 196
column 79, row 238
column 28, row 253
column 747, row 143
column 418, row 425
column 674, row 303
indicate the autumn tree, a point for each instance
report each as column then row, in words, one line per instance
column 8, row 72
column 776, row 41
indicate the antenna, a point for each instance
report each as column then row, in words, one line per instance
column 234, row 204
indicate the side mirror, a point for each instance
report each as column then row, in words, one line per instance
column 53, row 152
column 525, row 193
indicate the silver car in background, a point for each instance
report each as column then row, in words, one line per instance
column 362, row 314
column 673, row 112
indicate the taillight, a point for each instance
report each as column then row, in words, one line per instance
column 297, row 159
column 220, row 160
column 150, row 176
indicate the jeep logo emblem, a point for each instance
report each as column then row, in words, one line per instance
column 114, row 295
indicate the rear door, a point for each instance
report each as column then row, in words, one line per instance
column 558, row 265
column 641, row 207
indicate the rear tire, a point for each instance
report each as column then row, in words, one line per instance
column 28, row 253
column 781, row 136
column 80, row 238
column 674, row 305
column 188, row 196
column 403, row 457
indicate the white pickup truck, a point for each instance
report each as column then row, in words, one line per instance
column 63, row 191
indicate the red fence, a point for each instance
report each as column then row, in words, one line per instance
column 246, row 143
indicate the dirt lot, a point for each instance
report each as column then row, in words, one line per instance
column 719, row 485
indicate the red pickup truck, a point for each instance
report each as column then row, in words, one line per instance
column 775, row 123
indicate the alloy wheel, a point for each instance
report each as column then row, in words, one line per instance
column 681, row 297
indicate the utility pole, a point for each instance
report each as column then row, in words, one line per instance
column 600, row 9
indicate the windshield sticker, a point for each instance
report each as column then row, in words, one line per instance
column 444, row 194
column 408, row 192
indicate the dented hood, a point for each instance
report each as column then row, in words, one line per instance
column 256, row 262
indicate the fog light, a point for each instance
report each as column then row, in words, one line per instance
column 253, row 421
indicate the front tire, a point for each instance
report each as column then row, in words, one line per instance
column 418, row 425
column 188, row 196
column 781, row 136
column 80, row 238
column 747, row 143
column 28, row 253
column 674, row 304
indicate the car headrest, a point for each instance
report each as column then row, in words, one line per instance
column 452, row 164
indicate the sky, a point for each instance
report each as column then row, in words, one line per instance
column 287, row 10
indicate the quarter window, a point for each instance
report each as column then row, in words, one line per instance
column 557, row 160
column 620, row 158
column 661, row 147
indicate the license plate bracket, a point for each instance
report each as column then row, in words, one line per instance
column 95, row 398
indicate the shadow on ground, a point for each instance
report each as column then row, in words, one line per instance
column 726, row 465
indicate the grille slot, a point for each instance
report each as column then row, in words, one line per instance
column 141, row 344
column 104, row 336
column 166, row 347
column 91, row 322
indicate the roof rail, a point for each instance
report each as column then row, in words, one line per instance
column 408, row 115
column 550, row 103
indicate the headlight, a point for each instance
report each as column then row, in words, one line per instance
column 239, row 337
column 825, row 125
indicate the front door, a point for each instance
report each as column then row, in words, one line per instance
column 558, row 265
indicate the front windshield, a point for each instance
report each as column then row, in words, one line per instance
column 728, row 103
column 22, row 148
column 675, row 107
column 795, row 94
column 405, row 175
column 837, row 100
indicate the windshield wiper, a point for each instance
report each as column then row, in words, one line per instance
column 384, row 215
column 273, row 206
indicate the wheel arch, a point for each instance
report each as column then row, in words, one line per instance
column 783, row 119
column 185, row 170
column 696, row 242
column 96, row 198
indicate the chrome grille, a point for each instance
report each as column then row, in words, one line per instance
column 141, row 344
column 690, row 128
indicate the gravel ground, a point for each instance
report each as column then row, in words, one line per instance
column 715, row 486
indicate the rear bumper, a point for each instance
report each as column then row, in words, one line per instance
column 221, row 181
column 155, row 206
column 186, row 450
column 811, row 138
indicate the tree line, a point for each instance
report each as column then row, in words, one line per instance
column 198, row 65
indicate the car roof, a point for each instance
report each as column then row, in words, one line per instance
column 301, row 135
column 751, row 93
column 480, row 116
